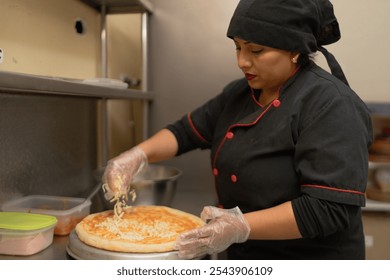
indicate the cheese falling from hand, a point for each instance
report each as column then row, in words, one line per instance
column 120, row 199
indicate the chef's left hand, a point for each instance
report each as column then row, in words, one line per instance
column 224, row 227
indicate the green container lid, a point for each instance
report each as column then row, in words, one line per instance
column 25, row 221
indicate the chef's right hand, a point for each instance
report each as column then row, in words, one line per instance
column 121, row 170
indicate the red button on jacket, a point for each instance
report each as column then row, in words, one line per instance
column 229, row 135
column 276, row 103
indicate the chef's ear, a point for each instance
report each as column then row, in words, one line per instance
column 294, row 57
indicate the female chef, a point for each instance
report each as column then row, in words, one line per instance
column 289, row 143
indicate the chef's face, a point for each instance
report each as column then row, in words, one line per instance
column 264, row 67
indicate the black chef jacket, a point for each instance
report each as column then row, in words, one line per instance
column 312, row 142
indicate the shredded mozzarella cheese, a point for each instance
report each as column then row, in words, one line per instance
column 141, row 231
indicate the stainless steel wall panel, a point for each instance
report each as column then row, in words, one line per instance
column 47, row 145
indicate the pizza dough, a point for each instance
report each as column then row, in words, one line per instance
column 141, row 229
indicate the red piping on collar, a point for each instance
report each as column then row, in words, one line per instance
column 253, row 93
column 255, row 99
column 255, row 121
column 239, row 125
column 295, row 71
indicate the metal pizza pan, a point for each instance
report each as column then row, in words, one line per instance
column 81, row 251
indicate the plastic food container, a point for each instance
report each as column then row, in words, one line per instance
column 69, row 211
column 25, row 233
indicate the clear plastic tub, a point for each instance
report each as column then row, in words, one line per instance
column 25, row 234
column 69, row 211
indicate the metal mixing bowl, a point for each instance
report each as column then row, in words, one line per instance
column 155, row 185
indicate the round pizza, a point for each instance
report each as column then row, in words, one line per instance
column 141, row 229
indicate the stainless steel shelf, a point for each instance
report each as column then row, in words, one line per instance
column 376, row 206
column 11, row 82
column 121, row 6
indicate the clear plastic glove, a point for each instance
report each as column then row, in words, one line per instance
column 225, row 227
column 120, row 172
